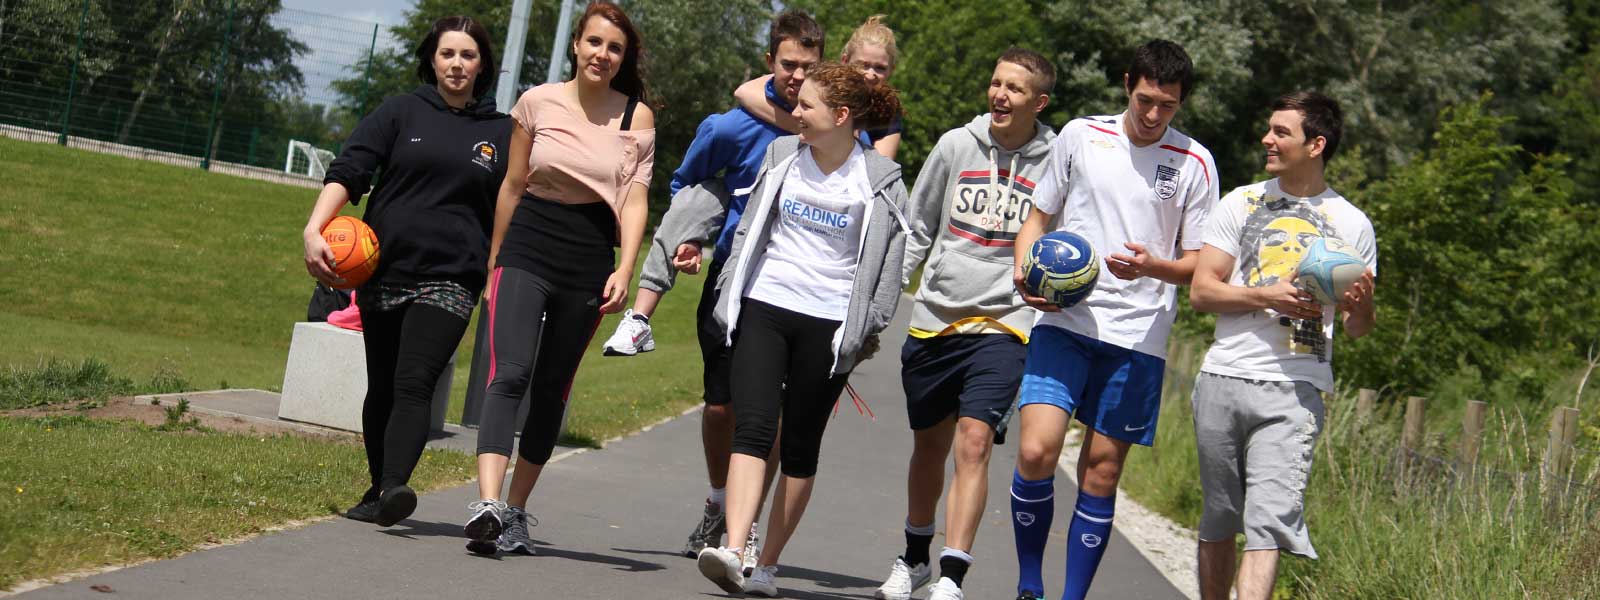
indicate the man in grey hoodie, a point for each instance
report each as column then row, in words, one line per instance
column 962, row 361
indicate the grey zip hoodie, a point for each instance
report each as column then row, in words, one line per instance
column 876, row 290
column 970, row 199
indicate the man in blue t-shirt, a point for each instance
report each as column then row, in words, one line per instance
column 728, row 146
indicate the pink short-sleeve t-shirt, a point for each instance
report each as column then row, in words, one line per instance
column 575, row 161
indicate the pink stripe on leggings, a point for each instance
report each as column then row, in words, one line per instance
column 494, row 298
column 565, row 394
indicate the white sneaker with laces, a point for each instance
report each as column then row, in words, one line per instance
column 752, row 550
column 723, row 568
column 946, row 589
column 632, row 336
column 903, row 580
column 764, row 582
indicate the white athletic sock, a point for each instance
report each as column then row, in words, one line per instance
column 718, row 496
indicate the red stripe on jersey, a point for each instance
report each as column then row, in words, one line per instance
column 1203, row 167
column 1102, row 130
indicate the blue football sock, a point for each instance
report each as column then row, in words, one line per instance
column 1086, row 541
column 1033, row 506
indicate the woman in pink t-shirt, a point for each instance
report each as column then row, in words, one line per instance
column 579, row 171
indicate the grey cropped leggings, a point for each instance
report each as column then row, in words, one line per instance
column 537, row 334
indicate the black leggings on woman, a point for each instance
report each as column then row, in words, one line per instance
column 775, row 347
column 538, row 331
column 407, row 349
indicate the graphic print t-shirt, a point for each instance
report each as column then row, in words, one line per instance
column 1267, row 233
column 811, row 257
column 1112, row 192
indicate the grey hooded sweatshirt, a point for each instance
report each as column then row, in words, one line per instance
column 875, row 293
column 970, row 199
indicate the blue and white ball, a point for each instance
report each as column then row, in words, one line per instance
column 1328, row 269
column 1062, row 267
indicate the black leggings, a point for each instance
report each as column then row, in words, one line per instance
column 781, row 362
column 518, row 338
column 407, row 349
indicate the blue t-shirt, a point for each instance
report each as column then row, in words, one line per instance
column 733, row 144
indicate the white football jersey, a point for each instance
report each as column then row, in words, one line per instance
column 1100, row 186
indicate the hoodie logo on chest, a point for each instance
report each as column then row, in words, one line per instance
column 988, row 208
column 483, row 155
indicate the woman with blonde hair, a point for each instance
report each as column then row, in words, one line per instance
column 871, row 49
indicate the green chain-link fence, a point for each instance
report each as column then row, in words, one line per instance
column 201, row 82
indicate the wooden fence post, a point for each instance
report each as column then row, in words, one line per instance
column 1365, row 401
column 1416, row 409
column 1563, row 432
column 1472, row 431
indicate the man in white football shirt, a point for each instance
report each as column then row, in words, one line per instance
column 1262, row 381
column 1138, row 191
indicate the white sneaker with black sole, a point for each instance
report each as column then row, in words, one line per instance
column 723, row 568
column 764, row 582
column 632, row 336
column 946, row 589
column 484, row 527
column 903, row 580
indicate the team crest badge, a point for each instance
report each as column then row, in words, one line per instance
column 1025, row 518
column 1091, row 540
column 1166, row 182
column 483, row 155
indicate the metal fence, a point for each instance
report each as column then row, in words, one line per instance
column 183, row 81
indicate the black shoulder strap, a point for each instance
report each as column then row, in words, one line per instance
column 627, row 115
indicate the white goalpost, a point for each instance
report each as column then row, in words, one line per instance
column 302, row 158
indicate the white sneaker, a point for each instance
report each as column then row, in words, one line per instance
column 632, row 336
column 485, row 526
column 946, row 589
column 723, row 568
column 903, row 580
column 752, row 550
column 763, row 583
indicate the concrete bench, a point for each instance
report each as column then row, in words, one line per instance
column 325, row 381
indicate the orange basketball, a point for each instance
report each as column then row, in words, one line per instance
column 355, row 250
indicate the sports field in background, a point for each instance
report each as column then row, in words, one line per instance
column 160, row 269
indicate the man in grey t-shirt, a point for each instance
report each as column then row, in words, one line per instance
column 1262, row 381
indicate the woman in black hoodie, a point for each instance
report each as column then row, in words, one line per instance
column 438, row 150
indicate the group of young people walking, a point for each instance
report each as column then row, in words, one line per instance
column 814, row 236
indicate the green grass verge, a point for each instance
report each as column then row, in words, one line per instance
column 81, row 493
column 183, row 274
column 1392, row 528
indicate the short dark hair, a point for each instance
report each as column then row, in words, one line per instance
column 1162, row 62
column 797, row 26
column 484, row 81
column 1044, row 73
column 1319, row 116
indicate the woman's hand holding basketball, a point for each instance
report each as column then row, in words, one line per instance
column 616, row 291
column 319, row 260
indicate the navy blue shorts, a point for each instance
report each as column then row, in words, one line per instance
column 1115, row 390
column 967, row 375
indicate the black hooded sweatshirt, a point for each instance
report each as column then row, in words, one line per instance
column 433, row 207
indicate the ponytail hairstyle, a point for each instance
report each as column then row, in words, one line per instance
column 630, row 77
column 875, row 33
column 843, row 86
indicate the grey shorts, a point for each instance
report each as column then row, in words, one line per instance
column 1256, row 440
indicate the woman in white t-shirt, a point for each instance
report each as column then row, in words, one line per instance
column 814, row 273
